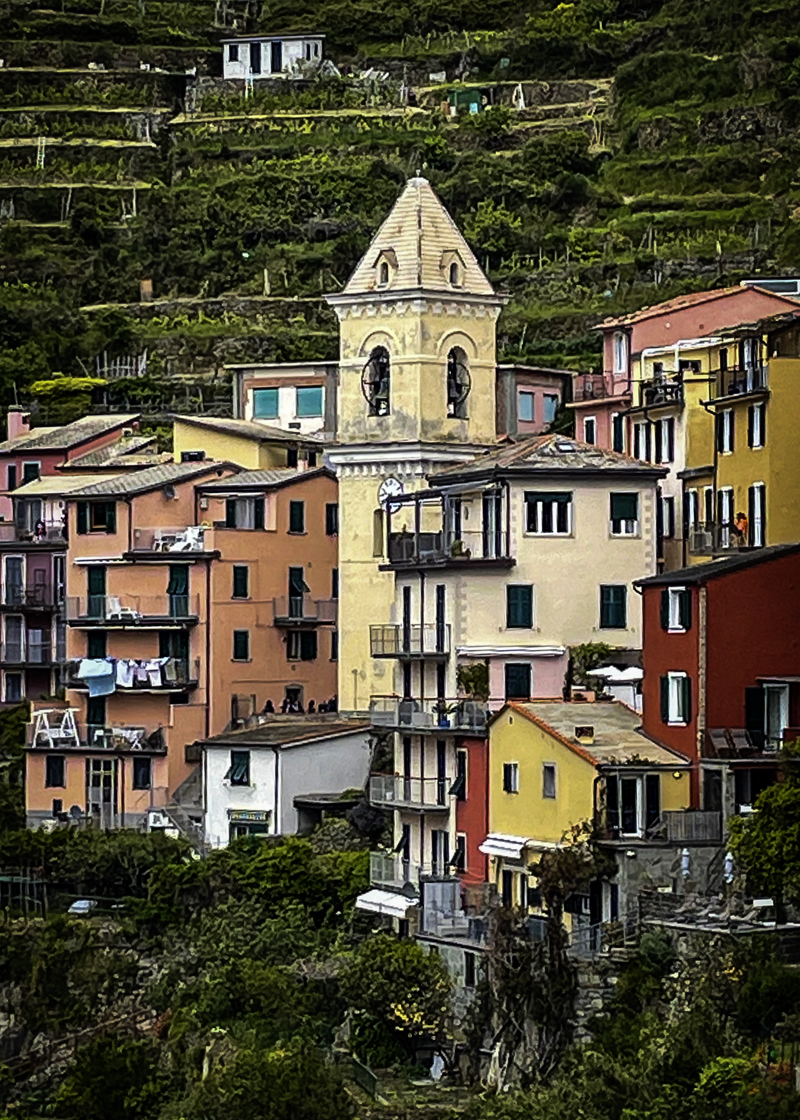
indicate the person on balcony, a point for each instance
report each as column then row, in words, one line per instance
column 740, row 527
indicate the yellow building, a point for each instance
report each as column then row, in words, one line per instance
column 248, row 443
column 553, row 765
column 416, row 392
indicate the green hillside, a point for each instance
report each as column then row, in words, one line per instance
column 656, row 153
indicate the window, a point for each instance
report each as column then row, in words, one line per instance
column 297, row 517
column 30, row 472
column 590, row 430
column 142, row 773
column 13, row 691
column 459, row 786
column 676, row 698
column 97, row 517
column 511, row 777
column 551, row 402
column 549, row 780
column 725, row 431
column 676, row 609
column 377, row 533
column 309, row 401
column 518, row 681
column 459, row 860
column 613, row 606
column 756, row 427
column 55, row 771
column 291, row 457
column 311, row 459
column 641, row 442
column 334, row 583
column 620, row 352
column 633, row 804
column 12, row 476
column 693, row 508
column 244, row 513
column 519, row 605
column 618, row 432
column 668, row 517
column 241, row 645
column 458, row 383
column 301, row 645
column 548, row 512
column 241, row 574
column 334, row 645
column 469, row 970
column 757, row 498
column 233, row 52
column 376, row 381
column 265, row 404
column 97, row 644
column 58, row 806
column 665, row 440
column 383, row 274
column 455, row 275
column 725, row 515
column 238, row 773
column 332, row 519
column 624, row 515
column 526, row 407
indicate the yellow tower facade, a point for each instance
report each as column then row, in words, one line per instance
column 417, row 323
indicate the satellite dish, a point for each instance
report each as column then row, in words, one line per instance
column 75, row 812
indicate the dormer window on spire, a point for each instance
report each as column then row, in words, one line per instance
column 455, row 275
column 385, row 268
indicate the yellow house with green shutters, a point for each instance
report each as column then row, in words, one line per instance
column 554, row 764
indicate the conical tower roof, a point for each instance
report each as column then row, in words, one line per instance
column 420, row 243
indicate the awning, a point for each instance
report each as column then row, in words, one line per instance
column 386, row 902
column 483, row 652
column 511, row 847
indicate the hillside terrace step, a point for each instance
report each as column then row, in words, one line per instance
column 138, row 110
column 79, row 142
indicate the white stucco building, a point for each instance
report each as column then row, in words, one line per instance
column 269, row 56
column 251, row 777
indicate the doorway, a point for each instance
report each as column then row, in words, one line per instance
column 255, row 58
column 276, row 56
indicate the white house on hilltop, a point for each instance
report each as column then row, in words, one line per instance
column 267, row 56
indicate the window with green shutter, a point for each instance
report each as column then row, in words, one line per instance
column 624, row 514
column 613, row 607
column 96, row 644
column 240, row 581
column 519, row 605
column 297, row 517
column 241, row 645
column 82, row 514
column 238, row 773
column 518, row 682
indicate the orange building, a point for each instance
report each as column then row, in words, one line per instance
column 195, row 593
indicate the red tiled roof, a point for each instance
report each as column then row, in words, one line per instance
column 680, row 303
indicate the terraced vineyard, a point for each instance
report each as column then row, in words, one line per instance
column 624, row 156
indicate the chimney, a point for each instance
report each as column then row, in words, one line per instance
column 18, row 422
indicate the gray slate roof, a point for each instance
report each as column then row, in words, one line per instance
column 288, row 730
column 67, row 435
column 127, row 449
column 262, row 480
column 151, row 478
column 714, row 569
column 247, row 429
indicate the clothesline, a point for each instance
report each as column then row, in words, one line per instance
column 104, row 675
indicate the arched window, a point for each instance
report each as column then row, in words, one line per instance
column 376, row 381
column 383, row 274
column 459, row 383
column 455, row 275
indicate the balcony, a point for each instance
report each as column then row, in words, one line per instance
column 430, row 716
column 710, row 539
column 426, row 642
column 148, row 674
column 739, row 381
column 661, row 392
column 189, row 538
column 113, row 612
column 57, row 729
column 387, row 869
column 692, row 826
column 300, row 610
column 39, row 597
column 48, row 533
column 395, row 791
column 589, row 387
column 448, row 550
column 30, row 653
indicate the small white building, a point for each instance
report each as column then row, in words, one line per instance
column 252, row 777
column 269, row 56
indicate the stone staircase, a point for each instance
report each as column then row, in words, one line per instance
column 186, row 811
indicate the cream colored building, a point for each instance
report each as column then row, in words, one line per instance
column 416, row 392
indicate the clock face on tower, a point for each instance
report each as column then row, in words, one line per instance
column 390, row 488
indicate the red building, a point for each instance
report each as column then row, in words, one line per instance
column 472, row 806
column 721, row 656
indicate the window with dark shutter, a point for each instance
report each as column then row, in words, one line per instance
column 613, row 607
column 55, row 771
column 308, row 645
column 612, row 802
column 241, row 645
column 238, row 773
column 519, row 606
column 686, row 699
column 548, row 512
column 230, row 513
column 665, row 600
column 258, row 513
column 652, row 800
column 332, row 519
column 142, row 773
column 518, row 682
column 334, row 645
column 664, row 682
column 297, row 517
column 240, row 581
column 685, row 609
column 96, row 644
column 624, row 514
column 82, row 512
column 511, row 777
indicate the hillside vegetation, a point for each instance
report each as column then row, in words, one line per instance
column 656, row 153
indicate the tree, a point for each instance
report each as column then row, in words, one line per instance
column 113, row 1076
column 588, row 655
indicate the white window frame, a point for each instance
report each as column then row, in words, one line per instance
column 669, row 524
column 665, row 424
column 675, row 716
column 727, row 428
column 626, row 527
column 726, row 515
column 642, row 442
column 759, row 415
column 549, row 398
column 674, row 625
column 759, row 512
column 539, row 532
column 13, row 673
column 783, row 696
column 593, row 421
column 514, row 782
column 550, row 766
column 527, row 393
column 620, row 348
column 694, row 509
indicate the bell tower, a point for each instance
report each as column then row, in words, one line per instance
column 417, row 322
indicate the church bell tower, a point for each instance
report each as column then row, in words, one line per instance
column 416, row 393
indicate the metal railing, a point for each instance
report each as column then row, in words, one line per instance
column 409, row 641
column 39, row 595
column 187, row 538
column 50, row 532
column 131, row 608
column 661, row 391
column 294, row 609
column 429, row 715
column 394, row 789
column 589, row 387
column 27, row 653
column 447, row 547
column 389, row 869
column 171, row 677
column 738, row 380
column 708, row 538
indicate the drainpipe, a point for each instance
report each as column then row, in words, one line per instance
column 713, row 415
column 208, row 648
column 702, row 671
column 276, row 790
column 128, row 503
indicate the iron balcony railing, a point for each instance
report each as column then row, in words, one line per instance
column 39, row 596
column 661, row 391
column 589, row 387
column 174, row 675
column 131, row 609
column 429, row 715
column 736, row 381
column 708, row 538
column 421, row 793
column 428, row 640
column 448, row 548
column 292, row 610
column 390, row 869
column 188, row 538
column 27, row 653
column 48, row 532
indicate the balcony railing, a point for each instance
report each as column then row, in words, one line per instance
column 56, row 729
column 589, row 387
column 428, row 640
column 708, row 539
column 38, row 597
column 27, row 653
column 133, row 610
column 422, row 793
column 189, row 538
column 735, row 381
column 692, row 826
column 388, row 869
column 49, row 532
column 429, row 716
column 173, row 675
column 295, row 610
column 661, row 391
column 440, row 549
